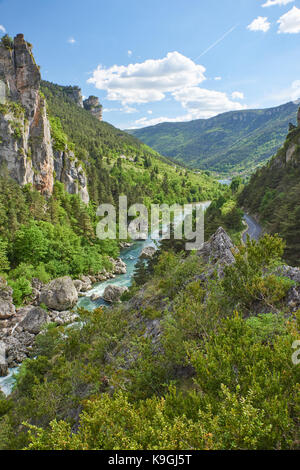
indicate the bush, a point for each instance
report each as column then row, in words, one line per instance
column 249, row 278
column 7, row 41
column 21, row 289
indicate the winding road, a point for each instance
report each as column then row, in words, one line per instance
column 254, row 229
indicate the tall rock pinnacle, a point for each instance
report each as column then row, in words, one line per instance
column 93, row 105
column 26, row 150
column 25, row 147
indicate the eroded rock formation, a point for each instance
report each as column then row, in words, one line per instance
column 74, row 93
column 93, row 105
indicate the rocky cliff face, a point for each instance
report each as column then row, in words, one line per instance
column 25, row 136
column 70, row 172
column 93, row 105
column 25, row 147
column 74, row 93
column 289, row 153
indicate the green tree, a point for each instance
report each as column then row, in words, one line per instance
column 4, row 263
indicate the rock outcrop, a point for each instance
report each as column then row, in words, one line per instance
column 93, row 105
column 69, row 171
column 289, row 153
column 218, row 248
column 113, row 293
column 60, row 294
column 26, row 146
column 74, row 94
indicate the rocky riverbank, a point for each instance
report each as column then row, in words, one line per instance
column 53, row 302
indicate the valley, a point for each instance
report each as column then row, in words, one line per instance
column 233, row 143
column 118, row 343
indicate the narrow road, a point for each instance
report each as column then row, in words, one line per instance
column 254, row 229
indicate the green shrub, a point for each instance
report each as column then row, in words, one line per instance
column 21, row 289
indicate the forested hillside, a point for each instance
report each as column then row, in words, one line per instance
column 142, row 175
column 273, row 195
column 230, row 142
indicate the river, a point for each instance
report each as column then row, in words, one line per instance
column 130, row 257
column 226, row 182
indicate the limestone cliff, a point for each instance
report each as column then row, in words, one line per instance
column 93, row 105
column 26, row 149
column 74, row 94
column 289, row 153
column 68, row 170
column 25, row 146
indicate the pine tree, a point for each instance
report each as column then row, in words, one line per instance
column 140, row 275
column 4, row 264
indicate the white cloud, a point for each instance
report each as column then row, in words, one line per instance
column 173, row 77
column 149, row 111
column 218, row 78
column 202, row 103
column 291, row 93
column 148, row 81
column 199, row 104
column 110, row 110
column 290, row 22
column 237, row 95
column 71, row 41
column 129, row 53
column 2, row 29
column 259, row 24
column 271, row 3
column 129, row 110
column 295, row 90
column 145, row 122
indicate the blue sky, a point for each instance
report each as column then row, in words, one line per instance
column 150, row 61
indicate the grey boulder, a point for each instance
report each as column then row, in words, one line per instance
column 120, row 267
column 113, row 293
column 34, row 320
column 86, row 283
column 60, row 294
column 148, row 252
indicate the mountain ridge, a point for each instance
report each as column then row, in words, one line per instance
column 224, row 142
